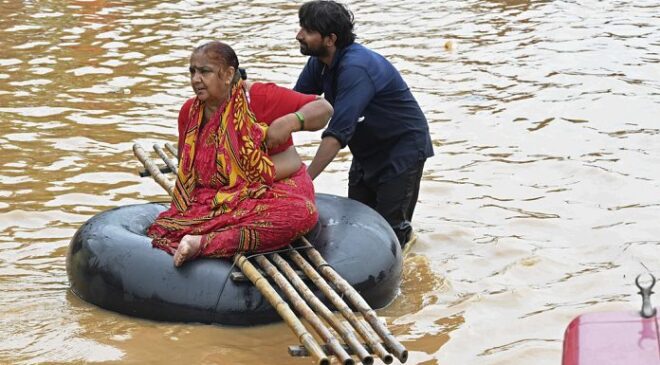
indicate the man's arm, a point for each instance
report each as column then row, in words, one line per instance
column 326, row 152
column 355, row 91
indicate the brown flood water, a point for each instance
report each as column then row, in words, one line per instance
column 542, row 202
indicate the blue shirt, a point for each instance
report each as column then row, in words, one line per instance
column 375, row 113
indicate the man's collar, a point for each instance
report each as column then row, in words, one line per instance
column 339, row 53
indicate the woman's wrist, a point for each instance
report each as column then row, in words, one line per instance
column 295, row 122
column 300, row 118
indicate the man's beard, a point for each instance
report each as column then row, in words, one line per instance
column 321, row 51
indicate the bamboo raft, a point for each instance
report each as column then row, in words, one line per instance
column 364, row 338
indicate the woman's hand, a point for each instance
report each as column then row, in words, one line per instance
column 280, row 130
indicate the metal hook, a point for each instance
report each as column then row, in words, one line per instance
column 647, row 309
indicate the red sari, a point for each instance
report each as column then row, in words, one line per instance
column 225, row 189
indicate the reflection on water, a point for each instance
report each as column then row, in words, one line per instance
column 540, row 204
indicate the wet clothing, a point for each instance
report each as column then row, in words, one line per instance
column 394, row 199
column 225, row 189
column 376, row 115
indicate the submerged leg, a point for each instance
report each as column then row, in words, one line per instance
column 396, row 201
column 188, row 248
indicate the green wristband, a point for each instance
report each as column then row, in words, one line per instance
column 301, row 119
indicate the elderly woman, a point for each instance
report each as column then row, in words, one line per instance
column 241, row 186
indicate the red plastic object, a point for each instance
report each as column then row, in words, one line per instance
column 612, row 338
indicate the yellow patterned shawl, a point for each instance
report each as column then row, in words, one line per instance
column 243, row 165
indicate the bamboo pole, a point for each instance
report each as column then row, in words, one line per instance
column 170, row 163
column 172, row 150
column 344, row 331
column 367, row 334
column 304, row 310
column 153, row 169
column 358, row 302
column 282, row 308
column 301, row 351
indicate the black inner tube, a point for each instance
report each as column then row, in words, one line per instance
column 112, row 264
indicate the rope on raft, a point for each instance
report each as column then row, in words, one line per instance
column 377, row 338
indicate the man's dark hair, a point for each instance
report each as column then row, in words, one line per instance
column 327, row 17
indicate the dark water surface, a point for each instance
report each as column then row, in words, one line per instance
column 542, row 201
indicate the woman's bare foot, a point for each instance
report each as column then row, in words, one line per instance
column 188, row 248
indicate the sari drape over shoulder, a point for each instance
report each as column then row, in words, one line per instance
column 225, row 189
